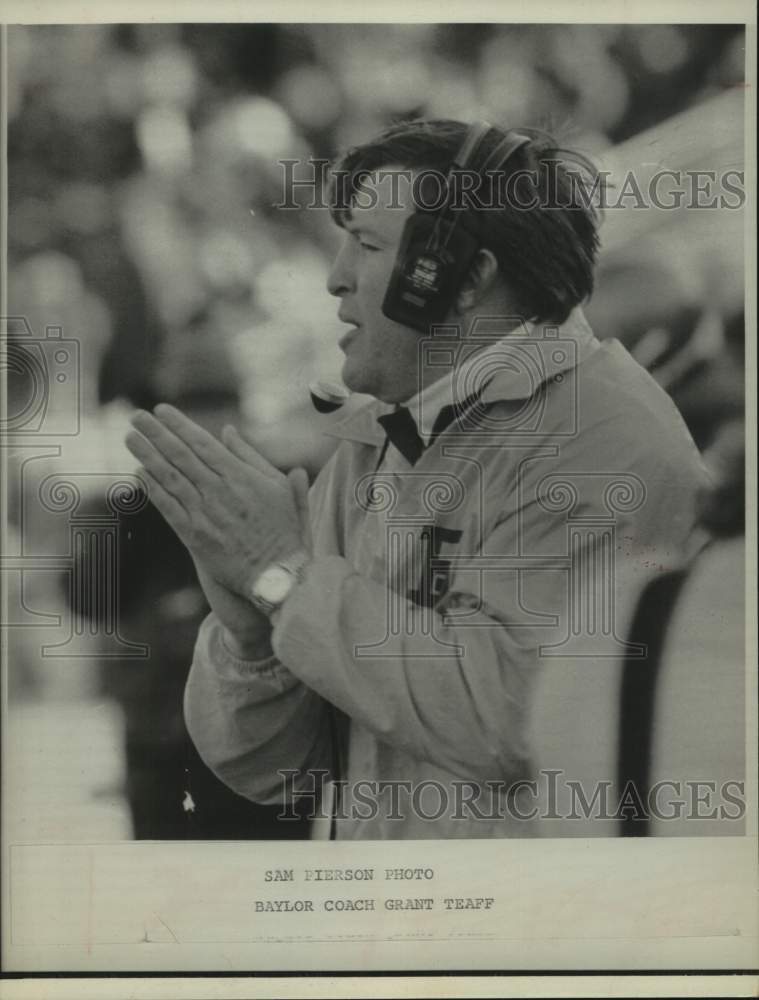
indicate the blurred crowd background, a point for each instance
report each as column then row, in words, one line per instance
column 142, row 180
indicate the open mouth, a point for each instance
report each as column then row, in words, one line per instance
column 349, row 336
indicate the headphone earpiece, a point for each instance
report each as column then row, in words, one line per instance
column 436, row 249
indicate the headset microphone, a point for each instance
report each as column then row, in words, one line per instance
column 328, row 396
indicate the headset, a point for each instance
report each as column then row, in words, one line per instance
column 436, row 250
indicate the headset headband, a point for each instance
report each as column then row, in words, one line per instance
column 508, row 145
column 474, row 136
column 505, row 149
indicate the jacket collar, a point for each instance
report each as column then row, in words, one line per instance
column 510, row 367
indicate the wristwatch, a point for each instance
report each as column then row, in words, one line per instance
column 274, row 584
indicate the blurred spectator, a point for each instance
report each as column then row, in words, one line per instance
column 58, row 339
column 683, row 707
column 171, row 793
column 653, row 305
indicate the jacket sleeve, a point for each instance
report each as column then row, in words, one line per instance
column 251, row 720
column 451, row 695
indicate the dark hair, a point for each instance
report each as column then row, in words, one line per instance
column 546, row 252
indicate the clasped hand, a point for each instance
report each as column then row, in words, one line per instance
column 234, row 511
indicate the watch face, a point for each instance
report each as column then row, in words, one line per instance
column 274, row 584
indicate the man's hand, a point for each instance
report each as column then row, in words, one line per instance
column 247, row 631
column 234, row 511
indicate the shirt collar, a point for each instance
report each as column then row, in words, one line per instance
column 508, row 366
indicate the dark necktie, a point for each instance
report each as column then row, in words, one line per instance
column 402, row 432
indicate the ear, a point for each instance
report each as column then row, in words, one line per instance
column 482, row 275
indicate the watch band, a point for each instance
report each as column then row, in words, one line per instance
column 296, row 563
column 267, row 592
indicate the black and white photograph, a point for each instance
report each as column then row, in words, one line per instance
column 378, row 584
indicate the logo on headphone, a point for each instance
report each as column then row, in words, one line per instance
column 425, row 273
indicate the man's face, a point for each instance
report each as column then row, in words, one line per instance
column 381, row 356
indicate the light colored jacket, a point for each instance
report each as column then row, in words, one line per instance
column 406, row 659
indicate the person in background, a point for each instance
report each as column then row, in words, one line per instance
column 683, row 709
column 658, row 311
column 171, row 792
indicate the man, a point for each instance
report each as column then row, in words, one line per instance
column 386, row 630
